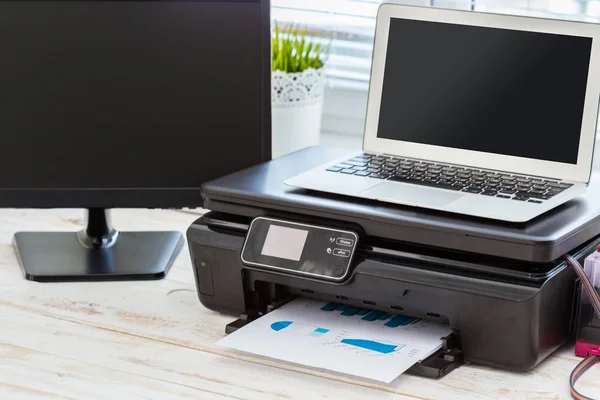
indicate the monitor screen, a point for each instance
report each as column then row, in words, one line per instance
column 130, row 94
column 483, row 89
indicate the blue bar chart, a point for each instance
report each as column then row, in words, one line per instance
column 393, row 321
column 310, row 330
column 365, row 314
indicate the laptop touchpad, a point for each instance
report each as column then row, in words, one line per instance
column 411, row 194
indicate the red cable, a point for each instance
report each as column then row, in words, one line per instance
column 595, row 356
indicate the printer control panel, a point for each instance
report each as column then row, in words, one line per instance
column 299, row 249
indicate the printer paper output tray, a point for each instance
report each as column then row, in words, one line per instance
column 504, row 313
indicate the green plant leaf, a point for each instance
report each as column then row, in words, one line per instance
column 308, row 50
column 295, row 50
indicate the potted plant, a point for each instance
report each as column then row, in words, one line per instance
column 298, row 83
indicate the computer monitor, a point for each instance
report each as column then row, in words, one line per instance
column 125, row 104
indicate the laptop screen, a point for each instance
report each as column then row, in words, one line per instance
column 485, row 89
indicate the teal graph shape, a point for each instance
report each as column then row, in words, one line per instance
column 378, row 347
column 393, row 321
column 279, row 325
column 301, row 329
column 400, row 320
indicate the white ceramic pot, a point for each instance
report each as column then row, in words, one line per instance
column 297, row 105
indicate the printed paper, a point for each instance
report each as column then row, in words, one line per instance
column 355, row 341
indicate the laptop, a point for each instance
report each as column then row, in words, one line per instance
column 478, row 114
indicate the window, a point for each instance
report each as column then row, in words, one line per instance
column 351, row 24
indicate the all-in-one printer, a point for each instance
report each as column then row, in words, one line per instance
column 504, row 289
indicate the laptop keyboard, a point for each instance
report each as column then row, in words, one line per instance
column 444, row 176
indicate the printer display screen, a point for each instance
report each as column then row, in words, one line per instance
column 299, row 248
column 284, row 242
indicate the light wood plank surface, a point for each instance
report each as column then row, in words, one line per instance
column 154, row 340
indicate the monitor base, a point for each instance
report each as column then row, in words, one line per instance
column 98, row 253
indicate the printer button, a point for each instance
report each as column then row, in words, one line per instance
column 345, row 242
column 204, row 277
column 341, row 252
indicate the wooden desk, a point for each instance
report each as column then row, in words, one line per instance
column 154, row 340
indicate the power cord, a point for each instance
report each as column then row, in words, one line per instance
column 594, row 356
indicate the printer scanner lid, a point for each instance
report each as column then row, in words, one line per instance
column 260, row 190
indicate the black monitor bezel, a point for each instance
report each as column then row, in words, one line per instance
column 149, row 197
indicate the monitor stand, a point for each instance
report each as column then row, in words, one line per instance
column 97, row 253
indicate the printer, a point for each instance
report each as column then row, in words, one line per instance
column 504, row 289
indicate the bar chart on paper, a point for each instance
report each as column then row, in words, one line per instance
column 292, row 327
column 356, row 341
column 392, row 321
